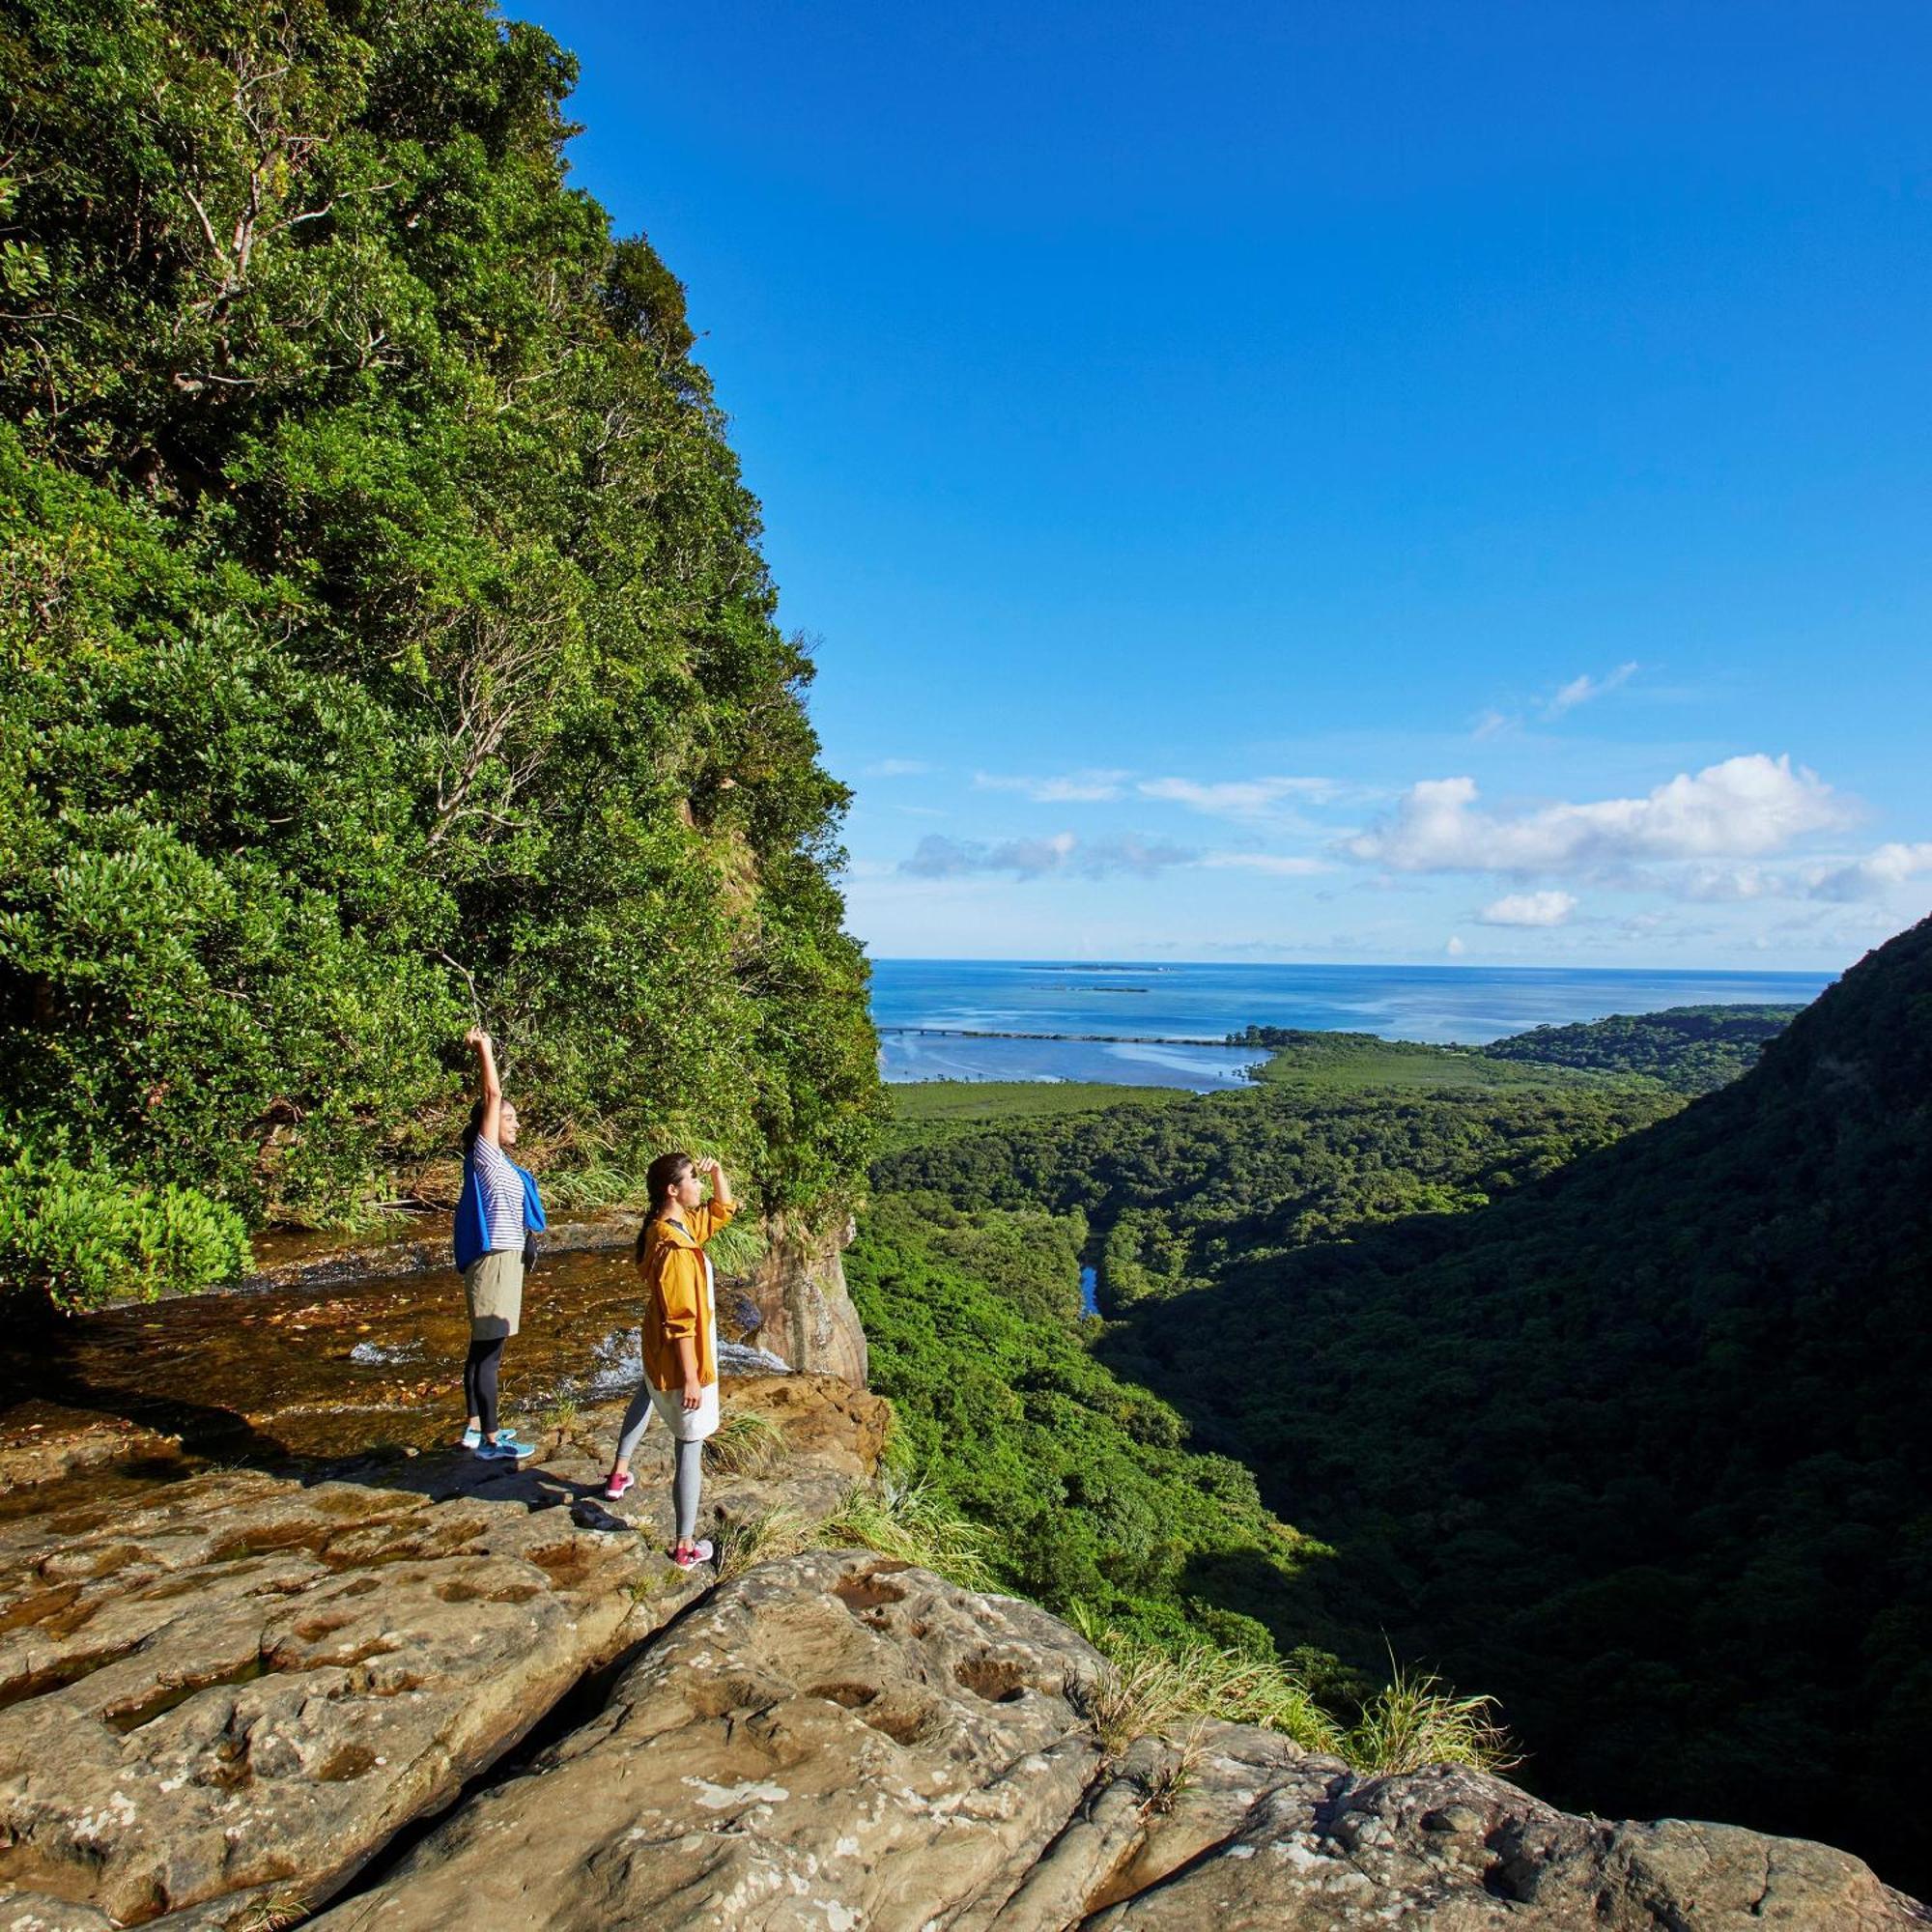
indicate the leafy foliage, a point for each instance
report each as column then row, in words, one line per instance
column 1690, row 1050
column 87, row 1239
column 1081, row 1483
column 383, row 637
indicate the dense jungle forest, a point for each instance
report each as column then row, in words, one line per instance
column 384, row 645
column 1601, row 1403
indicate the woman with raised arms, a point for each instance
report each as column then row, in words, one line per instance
column 495, row 1216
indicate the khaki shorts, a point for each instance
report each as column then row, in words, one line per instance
column 493, row 1285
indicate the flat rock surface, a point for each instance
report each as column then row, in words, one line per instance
column 231, row 1684
column 838, row 1741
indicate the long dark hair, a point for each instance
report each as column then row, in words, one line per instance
column 474, row 1128
column 660, row 1178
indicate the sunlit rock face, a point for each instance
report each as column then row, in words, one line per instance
column 226, row 1688
column 795, row 1303
column 841, row 1740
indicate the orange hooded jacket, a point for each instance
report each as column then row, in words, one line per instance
column 677, row 1298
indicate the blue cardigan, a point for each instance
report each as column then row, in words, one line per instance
column 473, row 1229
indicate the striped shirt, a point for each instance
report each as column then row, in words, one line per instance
column 503, row 1190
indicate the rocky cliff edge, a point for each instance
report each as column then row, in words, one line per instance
column 432, row 1694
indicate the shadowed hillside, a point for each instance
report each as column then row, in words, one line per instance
column 1644, row 1447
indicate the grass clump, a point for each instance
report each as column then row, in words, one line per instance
column 739, row 1248
column 1414, row 1722
column 1152, row 1688
column 744, row 1541
column 746, row 1444
column 911, row 1521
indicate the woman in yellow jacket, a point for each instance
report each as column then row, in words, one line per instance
column 679, row 1333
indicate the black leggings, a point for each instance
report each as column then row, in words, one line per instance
column 479, row 1382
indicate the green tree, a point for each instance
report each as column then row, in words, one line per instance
column 383, row 637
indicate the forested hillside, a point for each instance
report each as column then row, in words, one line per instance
column 1177, row 1193
column 384, row 644
column 1636, row 1439
column 1644, row 1449
column 1691, row 1049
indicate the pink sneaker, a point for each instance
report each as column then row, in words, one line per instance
column 618, row 1487
column 700, row 1553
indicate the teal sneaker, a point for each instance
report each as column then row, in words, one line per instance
column 472, row 1439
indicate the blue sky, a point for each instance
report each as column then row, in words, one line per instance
column 1382, row 482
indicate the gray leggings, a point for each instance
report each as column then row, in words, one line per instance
column 686, row 1462
column 637, row 1419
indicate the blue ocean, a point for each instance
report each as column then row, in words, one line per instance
column 1160, row 1025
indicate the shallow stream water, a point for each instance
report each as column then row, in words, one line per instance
column 306, row 1373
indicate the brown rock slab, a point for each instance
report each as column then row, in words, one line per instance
column 1322, row 1850
column 230, row 1690
column 849, row 1745
column 832, row 1742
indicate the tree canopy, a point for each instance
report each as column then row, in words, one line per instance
column 384, row 644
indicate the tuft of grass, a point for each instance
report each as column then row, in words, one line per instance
column 1171, row 1783
column 1150, row 1689
column 765, row 1538
column 274, row 1912
column 558, row 1414
column 1414, row 1722
column 908, row 1520
column 746, row 1444
column 898, row 1456
column 739, row 1248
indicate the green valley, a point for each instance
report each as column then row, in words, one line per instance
column 1599, row 1402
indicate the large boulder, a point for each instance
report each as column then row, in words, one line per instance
column 836, row 1741
column 794, row 1302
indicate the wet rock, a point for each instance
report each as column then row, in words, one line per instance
column 43, row 1441
column 836, row 1740
column 229, row 1689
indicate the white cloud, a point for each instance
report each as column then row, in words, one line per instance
column 1059, row 855
column 1878, row 872
column 1455, row 949
column 1725, row 885
column 1237, row 798
column 1491, row 723
column 1089, row 787
column 896, row 768
column 1582, row 689
column 1529, row 909
column 1739, row 808
column 1282, row 866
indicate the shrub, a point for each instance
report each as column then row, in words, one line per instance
column 85, row 1238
